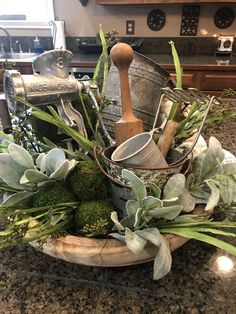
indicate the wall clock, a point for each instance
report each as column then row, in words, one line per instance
column 156, row 20
column 224, row 17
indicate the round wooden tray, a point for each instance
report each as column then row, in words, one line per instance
column 107, row 252
column 102, row 252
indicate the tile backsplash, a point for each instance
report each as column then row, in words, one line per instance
column 150, row 45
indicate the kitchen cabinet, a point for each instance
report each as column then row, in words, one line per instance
column 210, row 80
column 113, row 2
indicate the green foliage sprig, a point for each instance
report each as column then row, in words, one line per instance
column 24, row 225
column 153, row 212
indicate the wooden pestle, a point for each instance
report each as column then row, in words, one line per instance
column 165, row 140
column 128, row 125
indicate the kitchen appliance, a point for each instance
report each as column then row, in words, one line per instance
column 225, row 45
column 51, row 83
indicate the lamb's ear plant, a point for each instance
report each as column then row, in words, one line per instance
column 24, row 176
column 135, row 230
column 150, row 215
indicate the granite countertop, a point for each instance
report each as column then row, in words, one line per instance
column 166, row 59
column 90, row 60
column 34, row 283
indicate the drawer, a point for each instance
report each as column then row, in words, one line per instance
column 218, row 81
column 188, row 79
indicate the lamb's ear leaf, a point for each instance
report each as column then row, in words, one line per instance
column 54, row 158
column 21, row 156
column 150, row 234
column 131, row 207
column 169, row 213
column 41, row 162
column 114, row 218
column 229, row 168
column 227, row 188
column 187, row 200
column 174, row 186
column 20, row 199
column 134, row 242
column 10, row 171
column 154, row 190
column 163, row 260
column 5, row 144
column 117, row 236
column 61, row 172
column 33, row 176
column 214, row 196
column 137, row 185
column 151, row 202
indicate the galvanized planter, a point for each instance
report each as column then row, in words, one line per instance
column 120, row 189
column 146, row 78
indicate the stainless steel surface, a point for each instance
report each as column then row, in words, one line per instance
column 9, row 38
column 189, row 96
column 50, row 83
column 146, row 78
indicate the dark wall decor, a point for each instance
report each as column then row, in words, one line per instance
column 84, row 2
column 224, row 17
column 190, row 17
column 156, row 20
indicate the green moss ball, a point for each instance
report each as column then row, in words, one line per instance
column 54, row 194
column 87, row 182
column 94, row 218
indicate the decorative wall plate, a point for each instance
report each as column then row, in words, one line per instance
column 224, row 17
column 189, row 23
column 156, row 20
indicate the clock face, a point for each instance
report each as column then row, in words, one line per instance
column 224, row 17
column 156, row 20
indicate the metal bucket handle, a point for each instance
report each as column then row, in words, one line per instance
column 101, row 149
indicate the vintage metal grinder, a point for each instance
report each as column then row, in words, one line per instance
column 50, row 83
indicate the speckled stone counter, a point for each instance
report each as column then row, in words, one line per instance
column 200, row 59
column 34, row 283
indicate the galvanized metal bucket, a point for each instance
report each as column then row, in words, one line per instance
column 146, row 78
column 120, row 188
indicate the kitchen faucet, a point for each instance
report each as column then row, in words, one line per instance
column 9, row 38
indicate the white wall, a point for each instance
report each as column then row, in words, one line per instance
column 84, row 20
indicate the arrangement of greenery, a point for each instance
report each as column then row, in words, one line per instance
column 50, row 188
column 154, row 212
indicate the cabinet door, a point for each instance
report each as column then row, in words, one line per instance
column 189, row 79
column 218, row 81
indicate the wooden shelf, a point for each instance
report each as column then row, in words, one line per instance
column 125, row 2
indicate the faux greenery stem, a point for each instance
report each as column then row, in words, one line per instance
column 35, row 209
column 102, row 62
column 55, row 119
column 201, row 237
column 176, row 107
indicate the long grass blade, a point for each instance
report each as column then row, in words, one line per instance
column 203, row 238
